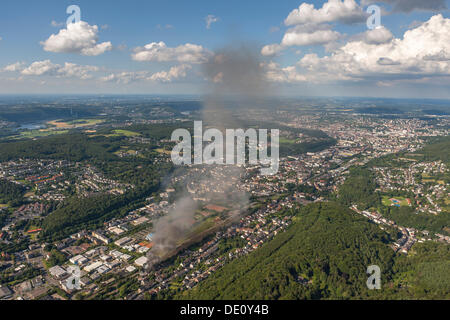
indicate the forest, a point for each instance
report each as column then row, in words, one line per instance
column 325, row 255
column 359, row 188
column 10, row 192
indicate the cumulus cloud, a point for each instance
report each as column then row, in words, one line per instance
column 46, row 67
column 74, row 70
column 174, row 73
column 299, row 36
column 210, row 19
column 345, row 11
column 39, row 68
column 18, row 66
column 271, row 49
column 440, row 56
column 378, row 35
column 423, row 52
column 125, row 77
column 311, row 26
column 158, row 51
column 411, row 5
column 78, row 37
column 288, row 74
column 303, row 35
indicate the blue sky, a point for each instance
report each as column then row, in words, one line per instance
column 313, row 63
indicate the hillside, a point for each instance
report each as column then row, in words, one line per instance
column 323, row 255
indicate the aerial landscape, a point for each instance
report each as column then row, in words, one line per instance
column 197, row 157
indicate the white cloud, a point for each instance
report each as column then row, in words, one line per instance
column 158, row 51
column 298, row 36
column 78, row 37
column 303, row 35
column 18, row 66
column 345, row 11
column 210, row 19
column 288, row 74
column 125, row 77
column 97, row 49
column 440, row 56
column 423, row 52
column 46, row 67
column 271, row 49
column 311, row 26
column 40, row 68
column 74, row 70
column 174, row 73
column 378, row 35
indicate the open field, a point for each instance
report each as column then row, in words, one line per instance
column 79, row 123
column 287, row 141
column 119, row 133
column 396, row 201
column 126, row 133
column 40, row 133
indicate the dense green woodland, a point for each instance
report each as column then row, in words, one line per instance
column 10, row 191
column 325, row 255
column 359, row 188
column 405, row 216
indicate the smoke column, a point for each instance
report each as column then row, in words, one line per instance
column 236, row 80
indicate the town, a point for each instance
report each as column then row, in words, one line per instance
column 238, row 209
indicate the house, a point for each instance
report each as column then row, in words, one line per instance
column 122, row 242
column 130, row 269
column 100, row 237
column 85, row 281
column 139, row 221
column 106, row 257
column 78, row 260
column 103, row 269
column 140, row 262
column 93, row 266
column 57, row 272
